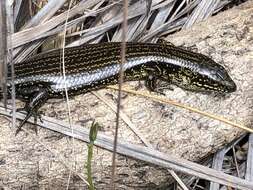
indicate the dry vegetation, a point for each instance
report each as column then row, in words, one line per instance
column 52, row 161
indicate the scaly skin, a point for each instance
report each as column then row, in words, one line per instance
column 94, row 66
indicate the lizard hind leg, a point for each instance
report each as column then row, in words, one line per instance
column 38, row 99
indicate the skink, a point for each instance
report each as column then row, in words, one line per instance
column 94, row 66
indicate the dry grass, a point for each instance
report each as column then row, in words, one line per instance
column 40, row 24
column 96, row 21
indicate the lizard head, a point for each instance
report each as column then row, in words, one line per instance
column 207, row 76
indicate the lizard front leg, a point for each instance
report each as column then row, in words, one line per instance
column 153, row 84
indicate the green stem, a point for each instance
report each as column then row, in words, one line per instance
column 92, row 136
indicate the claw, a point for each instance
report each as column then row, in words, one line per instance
column 37, row 115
